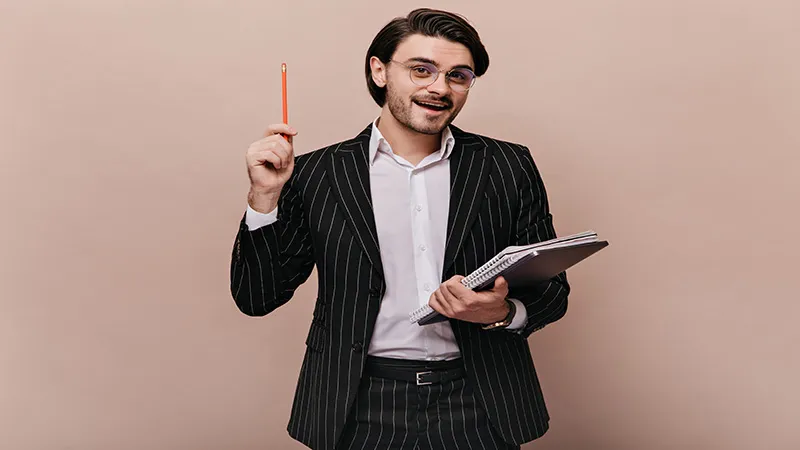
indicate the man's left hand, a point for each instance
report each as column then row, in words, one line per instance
column 452, row 299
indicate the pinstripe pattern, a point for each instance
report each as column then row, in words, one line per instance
column 397, row 415
column 325, row 219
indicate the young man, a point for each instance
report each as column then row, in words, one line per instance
column 393, row 219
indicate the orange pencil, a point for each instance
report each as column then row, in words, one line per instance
column 285, row 106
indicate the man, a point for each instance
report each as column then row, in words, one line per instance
column 393, row 219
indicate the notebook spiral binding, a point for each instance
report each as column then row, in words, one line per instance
column 486, row 272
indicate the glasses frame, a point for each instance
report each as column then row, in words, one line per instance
column 410, row 66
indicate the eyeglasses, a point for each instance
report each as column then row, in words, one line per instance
column 425, row 74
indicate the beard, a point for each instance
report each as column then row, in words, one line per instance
column 403, row 111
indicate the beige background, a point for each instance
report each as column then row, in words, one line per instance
column 670, row 127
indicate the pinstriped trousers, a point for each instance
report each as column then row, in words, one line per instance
column 398, row 415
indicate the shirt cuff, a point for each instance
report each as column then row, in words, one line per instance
column 520, row 317
column 256, row 220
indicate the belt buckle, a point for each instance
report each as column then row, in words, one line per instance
column 419, row 380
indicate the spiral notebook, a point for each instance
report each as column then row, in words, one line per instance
column 525, row 265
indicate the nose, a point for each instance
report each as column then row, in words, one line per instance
column 440, row 86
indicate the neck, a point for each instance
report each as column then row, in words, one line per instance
column 405, row 142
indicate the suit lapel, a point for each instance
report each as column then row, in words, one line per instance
column 469, row 170
column 348, row 172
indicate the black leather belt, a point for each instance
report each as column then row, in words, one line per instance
column 421, row 373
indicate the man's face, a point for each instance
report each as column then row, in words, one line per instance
column 405, row 99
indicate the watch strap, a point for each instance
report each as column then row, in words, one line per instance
column 512, row 310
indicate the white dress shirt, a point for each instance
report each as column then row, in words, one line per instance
column 411, row 205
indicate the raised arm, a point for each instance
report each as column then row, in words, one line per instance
column 272, row 253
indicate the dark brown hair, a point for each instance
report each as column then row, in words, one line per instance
column 427, row 22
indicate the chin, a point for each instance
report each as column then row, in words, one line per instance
column 427, row 126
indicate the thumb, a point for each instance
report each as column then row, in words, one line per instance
column 500, row 283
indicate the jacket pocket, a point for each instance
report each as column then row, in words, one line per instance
column 319, row 312
column 317, row 337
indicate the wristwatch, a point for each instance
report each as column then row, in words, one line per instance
column 512, row 310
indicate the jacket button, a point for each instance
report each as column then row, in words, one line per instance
column 375, row 292
column 357, row 347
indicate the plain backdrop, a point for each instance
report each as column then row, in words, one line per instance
column 670, row 127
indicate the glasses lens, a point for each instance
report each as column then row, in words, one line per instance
column 461, row 79
column 423, row 74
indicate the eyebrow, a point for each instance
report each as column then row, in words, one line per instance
column 430, row 61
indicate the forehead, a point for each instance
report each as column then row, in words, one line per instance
column 446, row 53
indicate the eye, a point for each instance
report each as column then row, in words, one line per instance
column 460, row 76
column 421, row 70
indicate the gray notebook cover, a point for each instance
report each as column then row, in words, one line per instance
column 539, row 266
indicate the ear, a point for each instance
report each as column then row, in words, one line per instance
column 378, row 71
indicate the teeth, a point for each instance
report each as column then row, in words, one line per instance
column 434, row 105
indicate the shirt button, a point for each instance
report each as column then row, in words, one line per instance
column 427, row 287
column 419, row 207
column 423, row 248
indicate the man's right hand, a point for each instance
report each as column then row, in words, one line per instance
column 270, row 162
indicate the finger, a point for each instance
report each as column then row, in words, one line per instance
column 459, row 303
column 434, row 303
column 500, row 285
column 279, row 146
column 262, row 144
column 279, row 128
column 270, row 157
column 274, row 138
column 448, row 295
column 448, row 307
column 276, row 147
column 445, row 306
column 287, row 151
column 455, row 286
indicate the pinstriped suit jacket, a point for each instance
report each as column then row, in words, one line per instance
column 325, row 218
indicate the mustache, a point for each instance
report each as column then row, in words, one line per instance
column 442, row 100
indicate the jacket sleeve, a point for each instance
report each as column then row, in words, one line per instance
column 546, row 302
column 270, row 262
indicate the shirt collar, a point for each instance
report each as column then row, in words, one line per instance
column 378, row 142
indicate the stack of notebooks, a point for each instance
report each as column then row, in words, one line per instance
column 524, row 266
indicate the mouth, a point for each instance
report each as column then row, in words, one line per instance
column 431, row 106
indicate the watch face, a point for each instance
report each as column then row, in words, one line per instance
column 492, row 326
